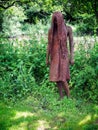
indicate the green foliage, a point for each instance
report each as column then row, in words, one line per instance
column 22, row 64
column 85, row 72
column 91, row 127
column 40, row 10
column 12, row 19
column 82, row 12
column 16, row 78
column 87, row 25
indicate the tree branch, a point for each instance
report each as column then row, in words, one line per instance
column 3, row 7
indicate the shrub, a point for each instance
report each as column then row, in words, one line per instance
column 85, row 72
column 12, row 19
column 23, row 66
column 87, row 25
column 16, row 78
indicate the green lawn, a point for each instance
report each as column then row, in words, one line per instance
column 46, row 114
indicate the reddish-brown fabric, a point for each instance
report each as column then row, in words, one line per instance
column 57, row 42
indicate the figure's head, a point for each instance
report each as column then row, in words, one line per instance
column 57, row 26
column 57, row 18
column 58, row 29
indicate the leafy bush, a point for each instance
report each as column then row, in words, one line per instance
column 12, row 19
column 16, row 77
column 22, row 66
column 84, row 73
column 88, row 25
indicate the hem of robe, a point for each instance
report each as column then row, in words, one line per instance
column 54, row 80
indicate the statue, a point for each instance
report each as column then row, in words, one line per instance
column 57, row 53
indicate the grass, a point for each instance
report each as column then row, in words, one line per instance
column 48, row 113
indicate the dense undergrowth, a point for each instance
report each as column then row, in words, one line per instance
column 84, row 73
column 23, row 67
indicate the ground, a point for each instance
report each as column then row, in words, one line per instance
column 32, row 114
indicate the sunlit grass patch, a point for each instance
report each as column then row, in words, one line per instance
column 85, row 120
column 23, row 114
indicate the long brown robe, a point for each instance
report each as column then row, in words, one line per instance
column 59, row 65
column 57, row 49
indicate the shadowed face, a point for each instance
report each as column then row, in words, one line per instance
column 57, row 19
column 57, row 25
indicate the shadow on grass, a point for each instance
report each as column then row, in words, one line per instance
column 5, row 114
column 29, row 115
column 17, row 117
